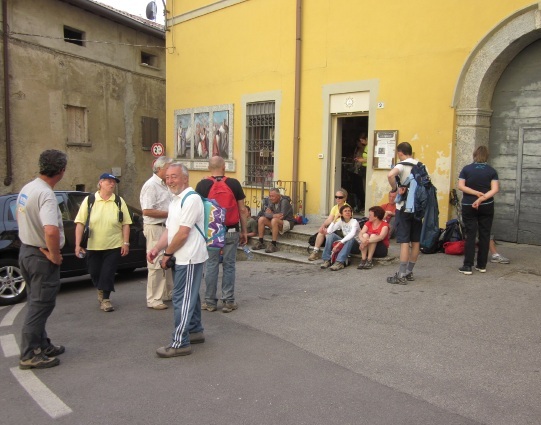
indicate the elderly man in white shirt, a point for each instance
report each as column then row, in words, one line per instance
column 155, row 199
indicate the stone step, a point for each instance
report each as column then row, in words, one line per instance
column 294, row 248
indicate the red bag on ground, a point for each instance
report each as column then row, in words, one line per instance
column 454, row 248
column 335, row 254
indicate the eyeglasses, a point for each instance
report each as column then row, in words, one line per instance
column 339, row 197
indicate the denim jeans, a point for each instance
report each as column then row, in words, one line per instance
column 477, row 220
column 228, row 276
column 186, row 302
column 343, row 254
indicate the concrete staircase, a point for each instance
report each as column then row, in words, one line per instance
column 293, row 245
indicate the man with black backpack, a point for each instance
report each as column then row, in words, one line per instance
column 229, row 195
column 408, row 228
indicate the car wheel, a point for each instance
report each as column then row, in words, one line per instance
column 12, row 283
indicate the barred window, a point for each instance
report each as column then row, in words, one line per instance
column 260, row 121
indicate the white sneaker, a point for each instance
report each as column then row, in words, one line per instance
column 497, row 258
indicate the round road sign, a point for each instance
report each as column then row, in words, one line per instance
column 157, row 149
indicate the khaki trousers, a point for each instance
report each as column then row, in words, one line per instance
column 159, row 285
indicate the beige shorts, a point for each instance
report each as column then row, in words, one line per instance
column 286, row 227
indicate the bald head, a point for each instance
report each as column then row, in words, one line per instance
column 217, row 166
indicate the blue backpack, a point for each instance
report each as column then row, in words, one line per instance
column 214, row 228
column 417, row 195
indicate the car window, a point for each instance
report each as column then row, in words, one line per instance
column 63, row 207
column 75, row 201
column 11, row 209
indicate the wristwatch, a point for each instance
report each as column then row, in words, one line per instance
column 165, row 254
column 126, row 243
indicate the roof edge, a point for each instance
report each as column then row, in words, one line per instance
column 117, row 16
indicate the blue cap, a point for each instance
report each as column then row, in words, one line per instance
column 109, row 176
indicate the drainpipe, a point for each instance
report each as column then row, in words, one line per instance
column 297, row 112
column 7, row 113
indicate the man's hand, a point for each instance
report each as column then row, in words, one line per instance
column 55, row 258
column 151, row 255
column 243, row 240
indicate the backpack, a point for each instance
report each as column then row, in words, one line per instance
column 92, row 198
column 223, row 194
column 452, row 232
column 418, row 184
column 214, row 224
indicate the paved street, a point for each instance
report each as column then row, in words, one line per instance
column 307, row 346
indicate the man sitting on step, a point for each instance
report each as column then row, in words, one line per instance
column 277, row 216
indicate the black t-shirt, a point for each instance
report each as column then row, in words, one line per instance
column 477, row 176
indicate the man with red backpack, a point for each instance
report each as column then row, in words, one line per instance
column 229, row 194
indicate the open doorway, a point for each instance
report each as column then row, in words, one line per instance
column 348, row 175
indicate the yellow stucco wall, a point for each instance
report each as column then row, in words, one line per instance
column 415, row 51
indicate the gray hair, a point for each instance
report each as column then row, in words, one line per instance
column 161, row 162
column 274, row 189
column 181, row 166
column 52, row 162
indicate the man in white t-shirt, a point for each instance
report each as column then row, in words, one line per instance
column 185, row 245
column 408, row 229
column 41, row 232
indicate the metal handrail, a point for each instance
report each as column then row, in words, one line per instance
column 257, row 192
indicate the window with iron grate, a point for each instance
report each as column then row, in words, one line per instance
column 260, row 124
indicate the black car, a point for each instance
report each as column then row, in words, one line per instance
column 12, row 284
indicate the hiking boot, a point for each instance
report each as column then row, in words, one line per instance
column 100, row 296
column 229, row 307
column 481, row 269
column 397, row 280
column 361, row 265
column 338, row 265
column 465, row 270
column 271, row 248
column 369, row 264
column 39, row 361
column 107, row 306
column 54, row 350
column 208, row 307
column 166, row 352
column 409, row 277
column 315, row 255
column 497, row 258
column 326, row 264
column 258, row 245
column 197, row 338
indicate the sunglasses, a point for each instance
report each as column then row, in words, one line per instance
column 339, row 197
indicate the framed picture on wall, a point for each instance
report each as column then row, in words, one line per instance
column 204, row 132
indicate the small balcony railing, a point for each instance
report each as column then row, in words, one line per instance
column 257, row 192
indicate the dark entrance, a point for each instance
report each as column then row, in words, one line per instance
column 352, row 128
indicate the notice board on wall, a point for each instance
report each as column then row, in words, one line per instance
column 385, row 142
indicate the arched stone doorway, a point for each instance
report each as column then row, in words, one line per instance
column 480, row 75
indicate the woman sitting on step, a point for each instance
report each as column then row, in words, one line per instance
column 340, row 198
column 373, row 238
column 349, row 227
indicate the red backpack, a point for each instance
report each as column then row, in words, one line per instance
column 223, row 194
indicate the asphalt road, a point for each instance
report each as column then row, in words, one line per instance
column 306, row 346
